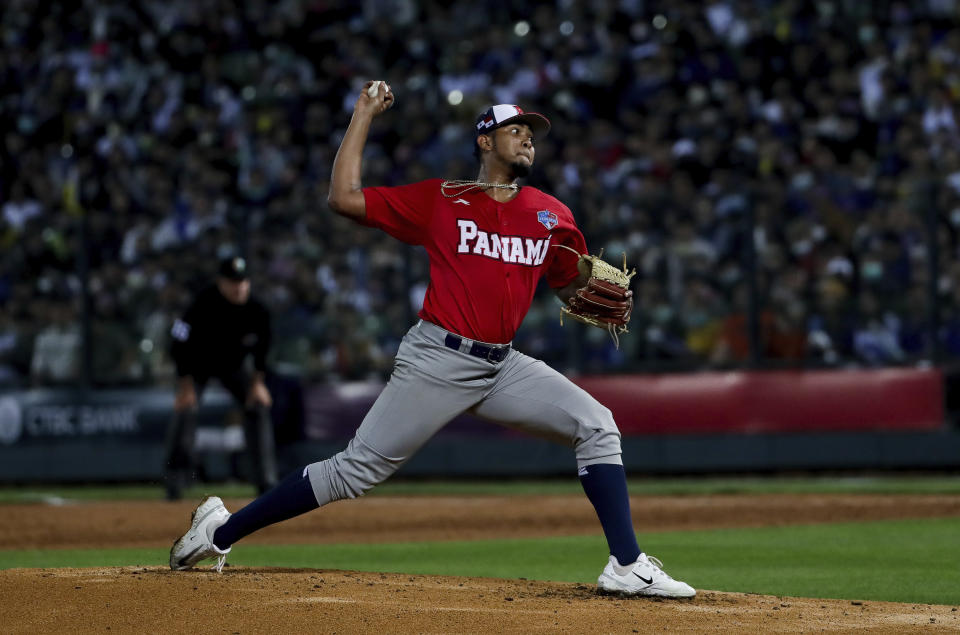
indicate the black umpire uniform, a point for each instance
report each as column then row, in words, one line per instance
column 213, row 339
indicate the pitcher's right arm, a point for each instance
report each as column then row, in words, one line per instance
column 345, row 196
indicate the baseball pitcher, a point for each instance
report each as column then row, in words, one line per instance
column 489, row 242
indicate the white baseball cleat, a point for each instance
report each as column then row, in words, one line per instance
column 643, row 577
column 197, row 543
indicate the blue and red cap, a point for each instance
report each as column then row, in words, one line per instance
column 502, row 114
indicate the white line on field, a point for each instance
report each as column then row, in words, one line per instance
column 405, row 605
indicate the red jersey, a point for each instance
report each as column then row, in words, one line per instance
column 486, row 257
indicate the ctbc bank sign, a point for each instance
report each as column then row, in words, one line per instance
column 18, row 421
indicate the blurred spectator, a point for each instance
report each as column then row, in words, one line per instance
column 876, row 339
column 56, row 349
column 14, row 352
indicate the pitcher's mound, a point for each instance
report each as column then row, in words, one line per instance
column 245, row 600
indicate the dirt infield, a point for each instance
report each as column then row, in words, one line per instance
column 244, row 600
column 403, row 518
column 308, row 601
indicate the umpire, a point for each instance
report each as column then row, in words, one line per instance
column 213, row 339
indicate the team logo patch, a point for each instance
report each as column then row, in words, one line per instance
column 547, row 218
column 180, row 331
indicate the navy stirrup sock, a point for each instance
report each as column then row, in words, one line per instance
column 291, row 497
column 606, row 487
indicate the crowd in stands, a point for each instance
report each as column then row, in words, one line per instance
column 812, row 143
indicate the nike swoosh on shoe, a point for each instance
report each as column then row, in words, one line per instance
column 650, row 581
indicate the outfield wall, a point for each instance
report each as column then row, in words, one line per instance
column 705, row 422
column 773, row 401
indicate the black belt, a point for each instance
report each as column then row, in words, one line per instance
column 493, row 354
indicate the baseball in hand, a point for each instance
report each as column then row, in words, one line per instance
column 374, row 87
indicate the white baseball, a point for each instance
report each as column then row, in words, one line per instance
column 374, row 87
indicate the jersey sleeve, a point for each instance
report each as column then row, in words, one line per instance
column 402, row 211
column 563, row 267
column 183, row 339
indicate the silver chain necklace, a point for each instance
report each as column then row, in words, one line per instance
column 459, row 188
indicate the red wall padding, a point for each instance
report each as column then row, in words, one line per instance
column 772, row 401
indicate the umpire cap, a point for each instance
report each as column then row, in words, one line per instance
column 234, row 268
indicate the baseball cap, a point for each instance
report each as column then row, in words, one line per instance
column 499, row 115
column 234, row 268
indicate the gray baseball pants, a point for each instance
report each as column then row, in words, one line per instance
column 432, row 384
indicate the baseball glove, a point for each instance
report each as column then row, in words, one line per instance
column 605, row 301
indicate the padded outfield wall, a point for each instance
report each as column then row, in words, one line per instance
column 691, row 423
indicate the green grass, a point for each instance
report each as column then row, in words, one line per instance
column 693, row 486
column 648, row 486
column 901, row 561
column 54, row 494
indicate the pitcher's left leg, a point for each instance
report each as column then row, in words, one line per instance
column 531, row 396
